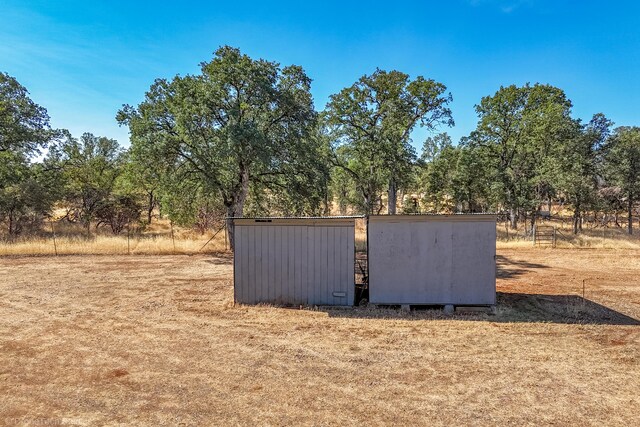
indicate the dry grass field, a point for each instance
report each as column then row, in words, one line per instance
column 156, row 340
column 161, row 238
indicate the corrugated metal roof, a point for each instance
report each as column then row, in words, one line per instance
column 297, row 217
column 437, row 214
column 433, row 218
column 357, row 216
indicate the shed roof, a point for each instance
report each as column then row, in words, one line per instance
column 309, row 220
column 433, row 217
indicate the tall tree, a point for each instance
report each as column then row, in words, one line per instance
column 439, row 158
column 373, row 120
column 578, row 166
column 622, row 154
column 24, row 125
column 239, row 121
column 24, row 131
column 90, row 167
column 27, row 192
column 138, row 176
column 519, row 130
column 471, row 182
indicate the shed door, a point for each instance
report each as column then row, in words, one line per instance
column 330, row 277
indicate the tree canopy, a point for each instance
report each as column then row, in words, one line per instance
column 520, row 132
column 240, row 122
column 622, row 168
column 371, row 123
column 242, row 138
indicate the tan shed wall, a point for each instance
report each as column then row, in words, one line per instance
column 294, row 261
column 448, row 259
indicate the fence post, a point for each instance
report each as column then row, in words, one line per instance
column 534, row 234
column 128, row 244
column 554, row 237
column 53, row 231
column 172, row 237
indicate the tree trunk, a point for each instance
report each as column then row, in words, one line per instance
column 534, row 216
column 235, row 207
column 367, row 202
column 380, row 205
column 11, row 225
column 630, row 214
column 150, row 208
column 392, row 195
column 342, row 206
column 513, row 217
column 576, row 217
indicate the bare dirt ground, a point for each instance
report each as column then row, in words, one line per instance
column 156, row 340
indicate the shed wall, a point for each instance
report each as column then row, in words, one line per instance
column 294, row 262
column 432, row 260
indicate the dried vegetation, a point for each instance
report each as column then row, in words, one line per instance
column 156, row 340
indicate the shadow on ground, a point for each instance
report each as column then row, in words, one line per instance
column 518, row 307
column 507, row 268
column 511, row 307
column 221, row 258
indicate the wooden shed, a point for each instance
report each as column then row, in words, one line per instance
column 294, row 261
column 432, row 259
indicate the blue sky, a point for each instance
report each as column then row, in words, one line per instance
column 82, row 60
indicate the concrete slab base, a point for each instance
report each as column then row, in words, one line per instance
column 448, row 309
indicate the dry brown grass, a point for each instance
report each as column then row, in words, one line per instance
column 156, row 340
column 104, row 245
column 159, row 238
column 597, row 237
column 156, row 240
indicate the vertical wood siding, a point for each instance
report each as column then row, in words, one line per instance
column 294, row 264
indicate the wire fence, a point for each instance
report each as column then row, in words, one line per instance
column 130, row 241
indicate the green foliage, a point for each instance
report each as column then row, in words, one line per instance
column 471, row 181
column 118, row 211
column 24, row 125
column 521, row 131
column 410, row 205
column 188, row 207
column 440, row 158
column 242, row 138
column 577, row 163
column 140, row 179
column 240, row 121
column 25, row 190
column 26, row 193
column 453, row 178
column 622, row 169
column 89, row 168
column 371, row 123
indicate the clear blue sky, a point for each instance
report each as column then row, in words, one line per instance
column 83, row 59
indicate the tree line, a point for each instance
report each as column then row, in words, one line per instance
column 242, row 138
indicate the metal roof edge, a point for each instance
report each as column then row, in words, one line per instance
column 436, row 214
column 434, row 217
column 297, row 217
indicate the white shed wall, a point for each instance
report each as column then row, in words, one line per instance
column 432, row 259
column 294, row 262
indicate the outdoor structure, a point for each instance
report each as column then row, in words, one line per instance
column 294, row 261
column 432, row 259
